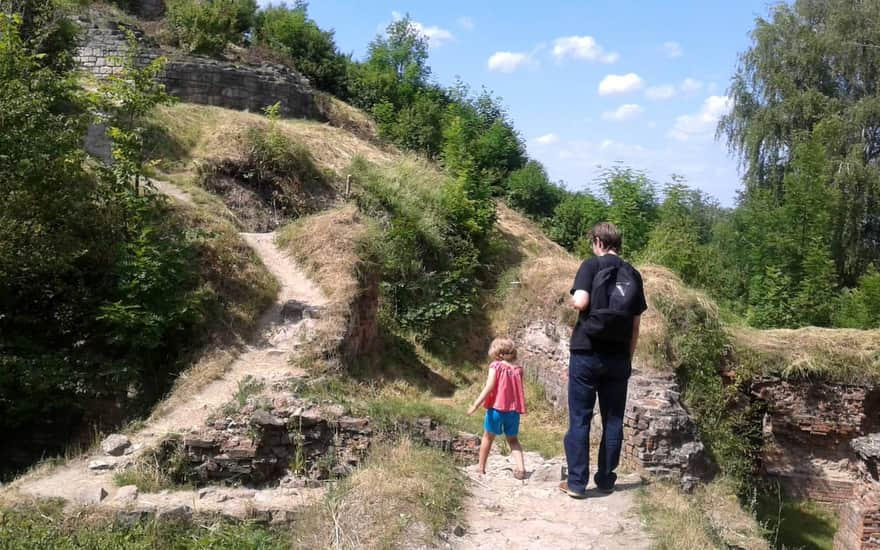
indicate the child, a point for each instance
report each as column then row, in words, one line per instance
column 504, row 401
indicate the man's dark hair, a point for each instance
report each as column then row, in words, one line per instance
column 608, row 235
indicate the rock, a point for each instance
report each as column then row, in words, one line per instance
column 100, row 466
column 92, row 495
column 458, row 531
column 129, row 518
column 180, row 512
column 126, row 494
column 205, row 491
column 547, row 472
column 354, row 424
column 115, row 444
column 292, row 310
column 263, row 418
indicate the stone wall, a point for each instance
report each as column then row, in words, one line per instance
column 807, row 430
column 859, row 525
column 198, row 79
column 659, row 436
column 274, row 436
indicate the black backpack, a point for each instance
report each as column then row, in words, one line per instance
column 612, row 298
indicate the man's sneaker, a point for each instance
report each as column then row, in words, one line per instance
column 571, row 492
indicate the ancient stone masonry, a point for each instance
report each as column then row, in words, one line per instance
column 198, row 79
column 661, row 438
column 268, row 437
column 860, row 516
column 807, row 431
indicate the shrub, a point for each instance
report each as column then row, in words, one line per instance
column 207, row 26
column 573, row 218
column 530, row 190
column 430, row 251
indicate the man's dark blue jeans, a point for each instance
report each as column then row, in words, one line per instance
column 592, row 374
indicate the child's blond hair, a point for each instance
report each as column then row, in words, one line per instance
column 502, row 349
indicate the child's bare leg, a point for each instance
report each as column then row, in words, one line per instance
column 485, row 447
column 517, row 453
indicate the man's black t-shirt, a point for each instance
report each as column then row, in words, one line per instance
column 584, row 281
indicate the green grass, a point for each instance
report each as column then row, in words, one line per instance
column 403, row 495
column 797, row 524
column 43, row 527
column 711, row 517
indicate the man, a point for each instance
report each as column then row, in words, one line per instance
column 602, row 345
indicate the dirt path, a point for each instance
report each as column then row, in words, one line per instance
column 266, row 359
column 505, row 513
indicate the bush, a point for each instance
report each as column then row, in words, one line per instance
column 573, row 218
column 312, row 50
column 530, row 190
column 207, row 26
column 860, row 307
column 430, row 251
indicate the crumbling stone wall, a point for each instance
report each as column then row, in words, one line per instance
column 807, row 430
column 270, row 436
column 860, row 517
column 660, row 437
column 198, row 79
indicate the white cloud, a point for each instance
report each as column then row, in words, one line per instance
column 658, row 93
column 466, row 23
column 507, row 62
column 436, row 36
column 620, row 84
column 582, row 47
column 673, row 49
column 689, row 85
column 702, row 123
column 547, row 139
column 624, row 112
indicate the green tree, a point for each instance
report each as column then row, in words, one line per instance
column 530, row 190
column 573, row 218
column 396, row 67
column 771, row 295
column 813, row 72
column 679, row 239
column 632, row 205
column 208, row 26
column 312, row 50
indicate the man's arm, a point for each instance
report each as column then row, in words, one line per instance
column 637, row 321
column 580, row 300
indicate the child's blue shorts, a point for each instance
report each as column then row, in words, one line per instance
column 498, row 422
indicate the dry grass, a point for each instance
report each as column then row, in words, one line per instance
column 841, row 355
column 342, row 115
column 710, row 518
column 203, row 133
column 402, row 497
column 329, row 247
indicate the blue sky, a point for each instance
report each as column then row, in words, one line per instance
column 587, row 83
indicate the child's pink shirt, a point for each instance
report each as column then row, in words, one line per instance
column 507, row 395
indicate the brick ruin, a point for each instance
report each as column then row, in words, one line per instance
column 279, row 436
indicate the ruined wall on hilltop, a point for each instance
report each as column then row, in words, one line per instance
column 199, row 79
